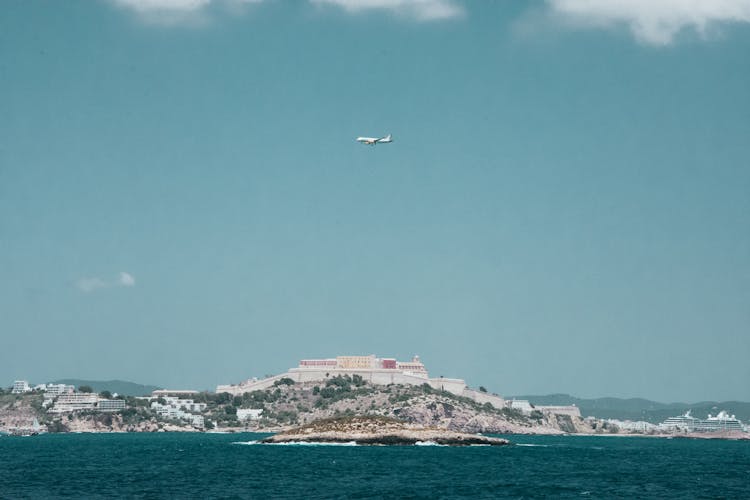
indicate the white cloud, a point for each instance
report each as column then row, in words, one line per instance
column 198, row 12
column 126, row 279
column 151, row 5
column 177, row 12
column 420, row 10
column 654, row 22
column 93, row 284
column 90, row 284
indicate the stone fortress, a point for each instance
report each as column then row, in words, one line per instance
column 384, row 371
column 378, row 371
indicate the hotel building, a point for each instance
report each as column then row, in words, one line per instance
column 20, row 386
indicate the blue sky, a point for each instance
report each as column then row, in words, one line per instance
column 564, row 207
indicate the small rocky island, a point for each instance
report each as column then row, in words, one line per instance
column 377, row 430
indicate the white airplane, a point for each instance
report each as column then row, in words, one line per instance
column 371, row 141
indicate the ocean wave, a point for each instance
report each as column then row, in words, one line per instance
column 312, row 443
column 296, row 443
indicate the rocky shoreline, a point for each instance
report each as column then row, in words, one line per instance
column 370, row 430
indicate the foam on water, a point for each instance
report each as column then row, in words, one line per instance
column 297, row 443
column 313, row 443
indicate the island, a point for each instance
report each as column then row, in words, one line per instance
column 378, row 430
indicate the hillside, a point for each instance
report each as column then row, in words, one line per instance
column 287, row 404
column 17, row 410
column 290, row 404
column 120, row 387
column 640, row 409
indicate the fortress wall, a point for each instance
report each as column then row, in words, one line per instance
column 455, row 386
column 573, row 411
column 380, row 378
column 307, row 375
column 409, row 379
column 374, row 376
column 482, row 398
column 258, row 385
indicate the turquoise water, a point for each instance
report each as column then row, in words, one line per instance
column 216, row 466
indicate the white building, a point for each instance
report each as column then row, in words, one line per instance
column 21, row 386
column 55, row 390
column 108, row 405
column 183, row 404
column 179, row 409
column 75, row 402
column 172, row 392
column 248, row 414
column 369, row 362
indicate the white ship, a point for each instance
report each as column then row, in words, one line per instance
column 687, row 423
column 721, row 422
column 684, row 422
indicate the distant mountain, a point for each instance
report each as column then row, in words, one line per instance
column 114, row 386
column 640, row 409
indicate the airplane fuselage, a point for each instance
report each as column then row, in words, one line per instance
column 371, row 141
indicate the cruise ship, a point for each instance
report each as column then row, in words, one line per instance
column 684, row 422
column 721, row 422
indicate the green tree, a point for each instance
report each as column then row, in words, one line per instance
column 223, row 398
column 327, row 392
column 482, row 389
column 106, row 394
column 85, row 388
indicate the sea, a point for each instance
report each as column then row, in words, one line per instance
column 196, row 465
